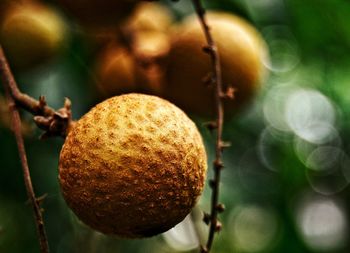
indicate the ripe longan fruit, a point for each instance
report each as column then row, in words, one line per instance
column 241, row 50
column 151, row 45
column 150, row 17
column 98, row 13
column 151, row 49
column 31, row 33
column 118, row 72
column 133, row 166
column 115, row 71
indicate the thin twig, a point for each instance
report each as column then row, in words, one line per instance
column 55, row 123
column 9, row 81
column 212, row 50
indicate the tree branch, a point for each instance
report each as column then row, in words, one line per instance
column 212, row 51
column 54, row 123
column 8, row 81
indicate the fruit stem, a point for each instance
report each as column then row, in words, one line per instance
column 9, row 83
column 54, row 123
column 212, row 50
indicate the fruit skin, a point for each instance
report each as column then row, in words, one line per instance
column 98, row 13
column 119, row 71
column 149, row 17
column 31, row 33
column 241, row 50
column 115, row 71
column 133, row 166
column 151, row 46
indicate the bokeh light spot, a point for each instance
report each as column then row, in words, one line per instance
column 254, row 229
column 322, row 223
column 183, row 236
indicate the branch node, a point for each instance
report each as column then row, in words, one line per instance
column 220, row 208
column 211, row 125
column 67, row 104
column 229, row 93
column 218, row 226
column 209, row 80
column 206, row 218
column 224, row 144
column 218, row 164
column 41, row 122
column 41, row 199
column 208, row 49
column 42, row 102
column 12, row 106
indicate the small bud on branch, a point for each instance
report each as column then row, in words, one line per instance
column 216, row 80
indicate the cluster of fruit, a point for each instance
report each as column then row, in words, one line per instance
column 135, row 164
column 140, row 48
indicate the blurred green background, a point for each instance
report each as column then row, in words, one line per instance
column 285, row 184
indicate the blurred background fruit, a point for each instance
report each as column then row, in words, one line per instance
column 31, row 33
column 241, row 50
column 149, row 17
column 116, row 71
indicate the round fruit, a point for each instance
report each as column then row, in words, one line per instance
column 241, row 50
column 149, row 17
column 98, row 13
column 133, row 166
column 115, row 71
column 119, row 72
column 151, row 46
column 31, row 33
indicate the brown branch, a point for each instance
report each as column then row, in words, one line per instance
column 54, row 123
column 8, row 81
column 216, row 207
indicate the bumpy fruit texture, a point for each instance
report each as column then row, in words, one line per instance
column 98, row 13
column 31, row 33
column 241, row 51
column 133, row 166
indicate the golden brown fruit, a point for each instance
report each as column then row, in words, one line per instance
column 151, row 46
column 116, row 72
column 98, row 13
column 149, row 17
column 241, row 50
column 133, row 166
column 31, row 33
